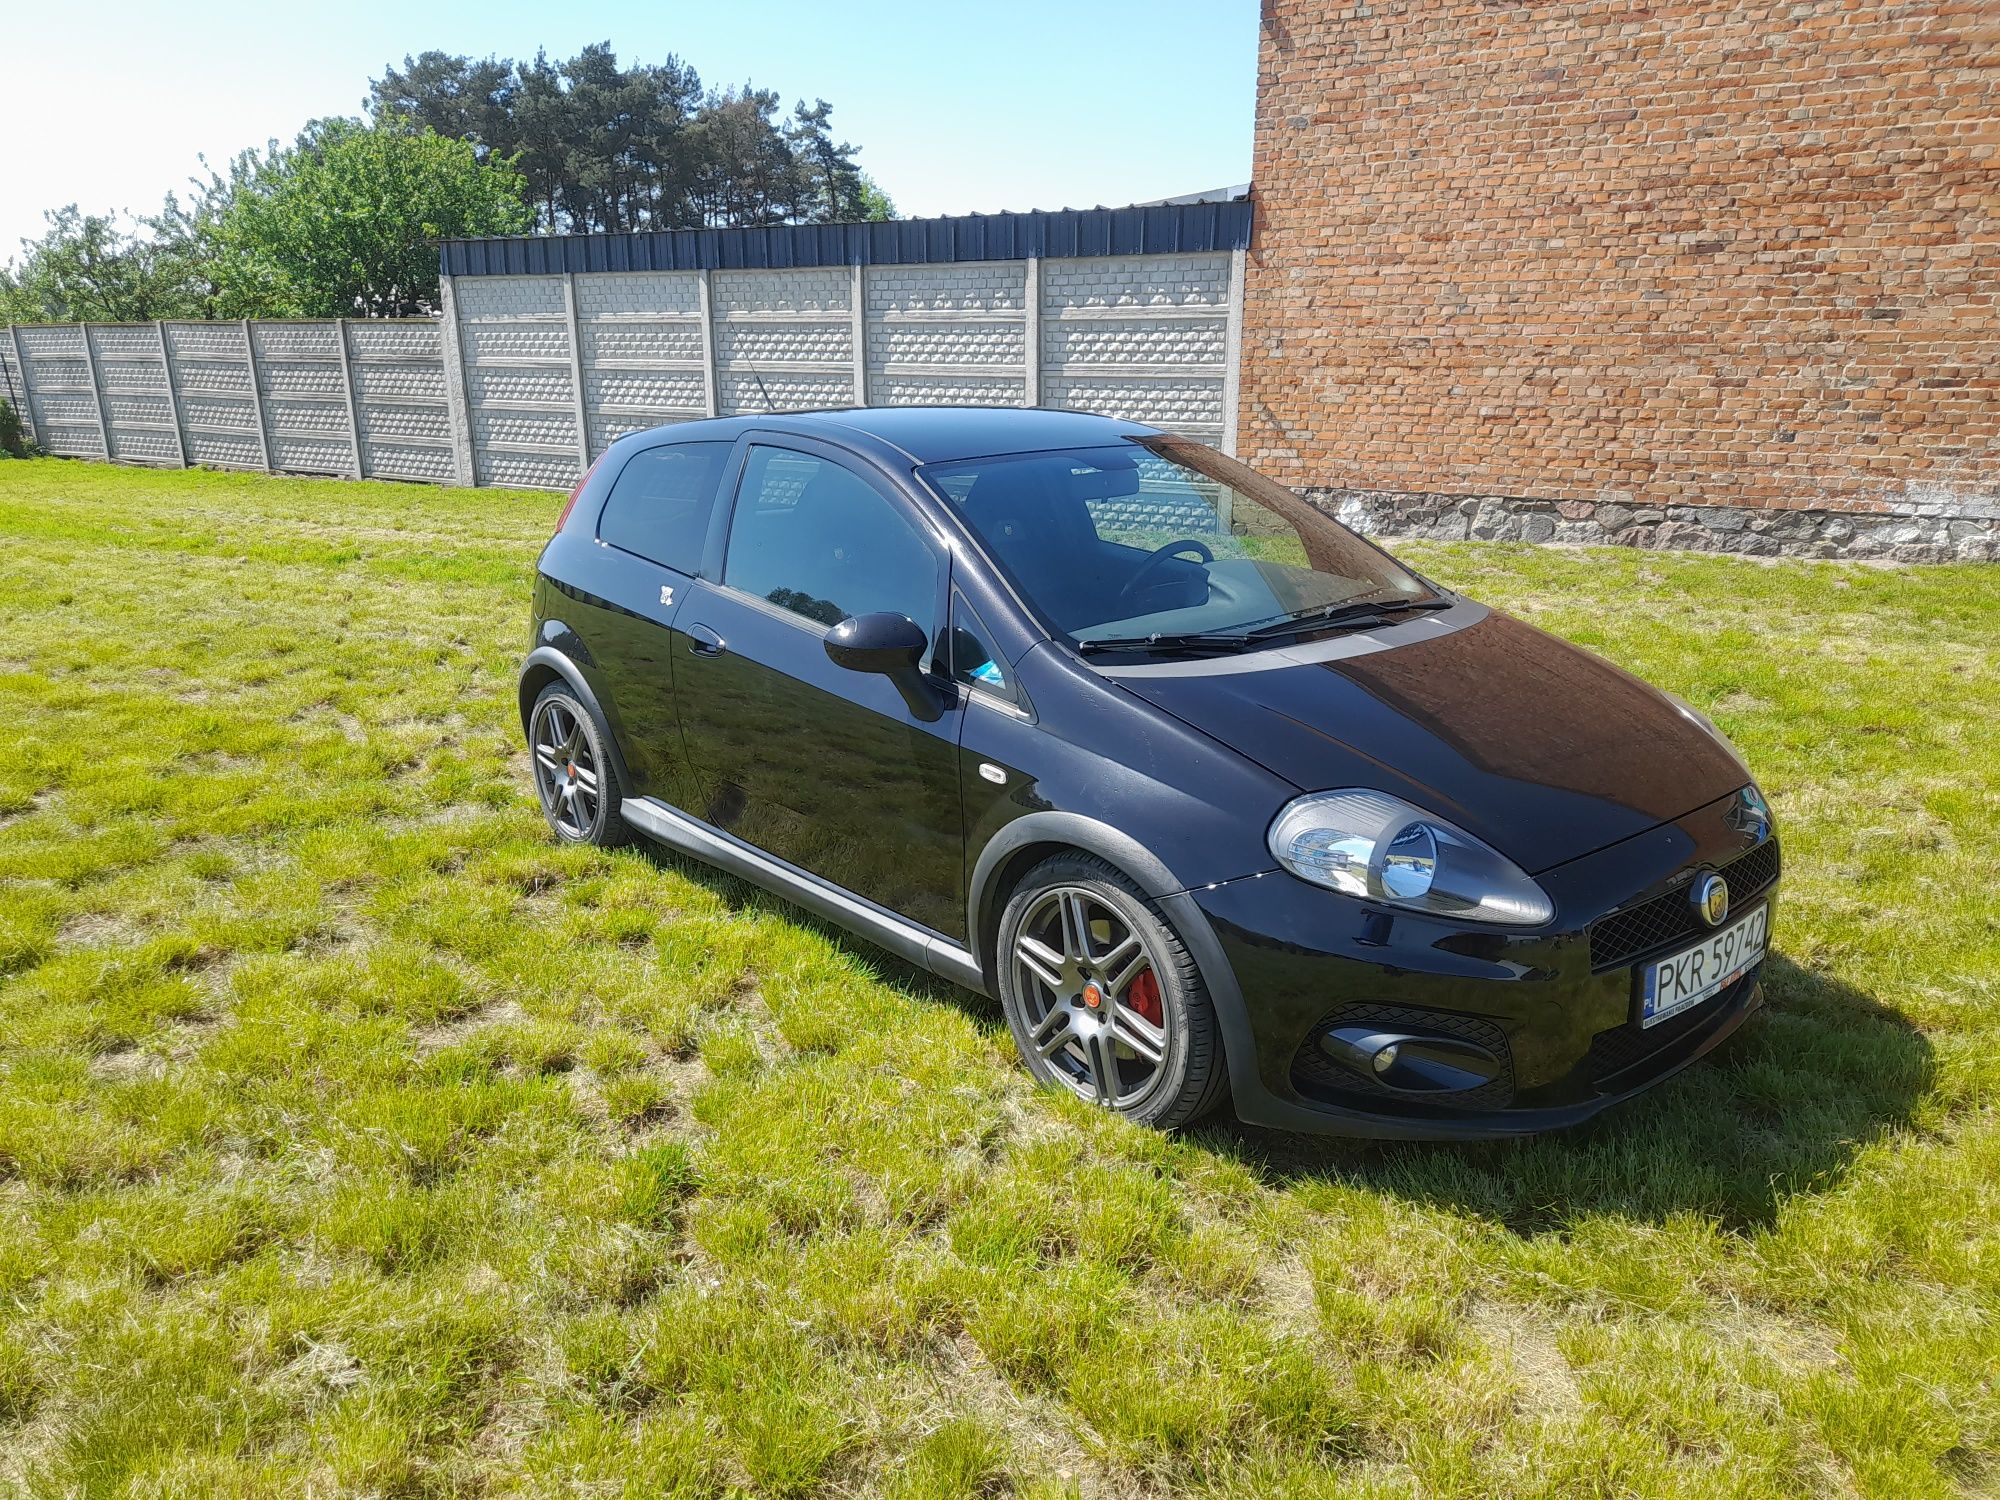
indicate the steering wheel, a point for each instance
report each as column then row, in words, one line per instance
column 1158, row 560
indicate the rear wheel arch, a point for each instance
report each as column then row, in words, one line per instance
column 545, row 664
column 534, row 677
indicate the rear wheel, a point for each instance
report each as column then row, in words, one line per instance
column 1102, row 996
column 578, row 785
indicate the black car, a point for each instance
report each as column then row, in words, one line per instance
column 1217, row 798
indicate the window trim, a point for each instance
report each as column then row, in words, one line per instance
column 723, row 476
column 722, row 524
column 1012, row 697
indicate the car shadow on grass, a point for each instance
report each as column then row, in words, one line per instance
column 1780, row 1109
column 741, row 895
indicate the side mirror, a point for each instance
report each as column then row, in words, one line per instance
column 892, row 645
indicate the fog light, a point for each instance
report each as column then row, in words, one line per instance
column 1412, row 1062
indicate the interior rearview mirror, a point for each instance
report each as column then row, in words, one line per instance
column 1106, row 483
column 893, row 645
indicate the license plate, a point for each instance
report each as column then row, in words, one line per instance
column 1690, row 976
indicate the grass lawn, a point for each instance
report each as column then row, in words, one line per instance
column 355, row 1139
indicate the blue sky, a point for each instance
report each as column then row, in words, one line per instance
column 1030, row 104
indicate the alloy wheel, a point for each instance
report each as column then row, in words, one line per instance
column 565, row 768
column 1092, row 997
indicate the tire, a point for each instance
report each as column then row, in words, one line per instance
column 574, row 777
column 1158, row 1044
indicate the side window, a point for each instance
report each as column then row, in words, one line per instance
column 660, row 505
column 817, row 539
column 972, row 658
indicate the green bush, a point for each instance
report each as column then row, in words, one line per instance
column 12, row 445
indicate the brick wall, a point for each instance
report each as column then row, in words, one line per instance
column 1623, row 267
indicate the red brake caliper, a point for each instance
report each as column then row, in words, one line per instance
column 1144, row 997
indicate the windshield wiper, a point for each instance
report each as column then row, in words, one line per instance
column 1353, row 615
column 1166, row 643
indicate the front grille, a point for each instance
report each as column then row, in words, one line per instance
column 1313, row 1072
column 1626, row 1046
column 1624, row 935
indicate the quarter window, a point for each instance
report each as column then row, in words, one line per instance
column 660, row 504
column 972, row 658
column 815, row 538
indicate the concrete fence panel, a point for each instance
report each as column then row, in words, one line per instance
column 396, row 373
column 956, row 334
column 643, row 351
column 61, row 391
column 527, row 378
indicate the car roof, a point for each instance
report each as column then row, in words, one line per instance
column 933, row 434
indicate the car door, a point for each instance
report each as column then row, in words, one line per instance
column 824, row 767
column 650, row 536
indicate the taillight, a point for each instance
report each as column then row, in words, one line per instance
column 570, row 504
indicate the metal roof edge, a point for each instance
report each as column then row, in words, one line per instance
column 1143, row 229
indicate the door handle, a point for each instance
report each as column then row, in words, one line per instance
column 706, row 641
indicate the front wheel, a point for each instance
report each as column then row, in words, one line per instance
column 574, row 777
column 1103, row 998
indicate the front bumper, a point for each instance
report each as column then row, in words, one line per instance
column 1559, row 1017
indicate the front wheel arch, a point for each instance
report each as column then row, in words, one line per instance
column 1027, row 841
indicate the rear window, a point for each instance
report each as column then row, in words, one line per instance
column 659, row 507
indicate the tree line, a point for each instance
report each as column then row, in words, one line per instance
column 607, row 148
column 345, row 221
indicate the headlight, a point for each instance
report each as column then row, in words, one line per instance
column 1380, row 848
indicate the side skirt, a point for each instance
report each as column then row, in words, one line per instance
column 902, row 937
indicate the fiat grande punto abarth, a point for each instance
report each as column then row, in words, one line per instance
column 1220, row 801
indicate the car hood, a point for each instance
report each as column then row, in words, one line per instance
column 1536, row 746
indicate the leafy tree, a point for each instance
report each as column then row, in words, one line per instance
column 87, row 269
column 347, row 221
column 876, row 204
column 744, row 168
column 833, row 193
column 454, row 96
column 605, row 146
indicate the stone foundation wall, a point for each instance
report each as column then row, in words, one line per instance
column 1943, row 530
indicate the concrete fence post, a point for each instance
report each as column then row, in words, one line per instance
column 579, row 402
column 173, row 393
column 1232, row 353
column 1031, row 332
column 859, row 298
column 347, row 390
column 711, row 389
column 96, row 389
column 458, row 408
column 257, row 394
column 27, row 395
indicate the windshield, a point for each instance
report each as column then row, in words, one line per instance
column 1161, row 537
